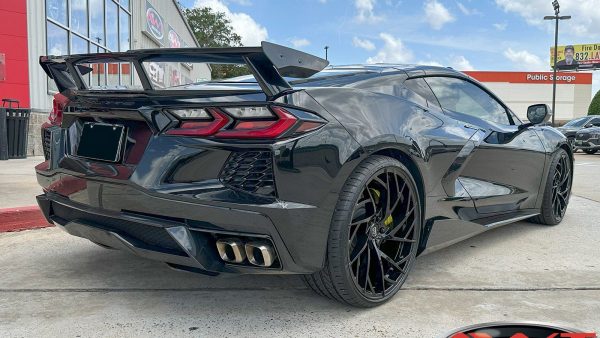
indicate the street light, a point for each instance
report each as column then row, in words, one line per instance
column 326, row 49
column 557, row 18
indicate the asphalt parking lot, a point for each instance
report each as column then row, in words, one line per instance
column 53, row 284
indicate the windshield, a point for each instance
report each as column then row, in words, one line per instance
column 577, row 122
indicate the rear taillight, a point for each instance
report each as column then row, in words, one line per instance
column 260, row 122
column 214, row 121
column 58, row 105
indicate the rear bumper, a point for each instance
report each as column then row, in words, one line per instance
column 182, row 243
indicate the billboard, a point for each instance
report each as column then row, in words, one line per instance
column 572, row 57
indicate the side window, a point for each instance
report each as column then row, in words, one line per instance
column 421, row 87
column 595, row 122
column 465, row 97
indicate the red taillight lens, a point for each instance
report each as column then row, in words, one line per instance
column 260, row 122
column 262, row 129
column 201, row 128
column 58, row 105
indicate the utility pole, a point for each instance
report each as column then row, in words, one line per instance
column 557, row 18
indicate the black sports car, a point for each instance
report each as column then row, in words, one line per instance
column 343, row 175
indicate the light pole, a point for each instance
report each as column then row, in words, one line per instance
column 557, row 18
column 326, row 49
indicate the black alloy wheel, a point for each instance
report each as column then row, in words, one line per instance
column 590, row 151
column 381, row 235
column 561, row 186
column 557, row 191
column 374, row 236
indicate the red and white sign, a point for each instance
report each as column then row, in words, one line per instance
column 531, row 77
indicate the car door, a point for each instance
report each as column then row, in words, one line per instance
column 503, row 171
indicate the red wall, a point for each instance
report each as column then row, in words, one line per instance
column 13, row 43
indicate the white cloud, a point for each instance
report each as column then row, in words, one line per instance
column 393, row 51
column 525, row 60
column 366, row 12
column 252, row 32
column 430, row 63
column 299, row 42
column 500, row 26
column 461, row 63
column 457, row 62
column 363, row 43
column 467, row 11
column 437, row 15
column 586, row 14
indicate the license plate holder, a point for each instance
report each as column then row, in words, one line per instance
column 101, row 142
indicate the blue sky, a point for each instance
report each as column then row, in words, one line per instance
column 464, row 34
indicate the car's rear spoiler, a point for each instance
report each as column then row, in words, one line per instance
column 269, row 64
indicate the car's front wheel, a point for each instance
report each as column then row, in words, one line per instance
column 374, row 235
column 590, row 151
column 557, row 190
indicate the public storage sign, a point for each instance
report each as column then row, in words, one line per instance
column 531, row 77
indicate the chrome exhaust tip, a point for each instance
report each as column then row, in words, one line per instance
column 231, row 250
column 260, row 253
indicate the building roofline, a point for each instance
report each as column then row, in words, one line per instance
column 176, row 3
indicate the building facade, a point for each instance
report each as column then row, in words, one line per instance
column 519, row 90
column 32, row 28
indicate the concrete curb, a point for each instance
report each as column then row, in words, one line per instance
column 22, row 218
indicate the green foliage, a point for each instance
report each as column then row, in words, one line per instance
column 213, row 29
column 595, row 105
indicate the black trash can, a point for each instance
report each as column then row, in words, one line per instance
column 14, row 127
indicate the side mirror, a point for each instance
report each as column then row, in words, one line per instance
column 538, row 113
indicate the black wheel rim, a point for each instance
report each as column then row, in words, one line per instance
column 382, row 236
column 561, row 187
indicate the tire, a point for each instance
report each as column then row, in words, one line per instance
column 361, row 230
column 590, row 151
column 557, row 189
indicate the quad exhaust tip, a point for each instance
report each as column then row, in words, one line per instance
column 258, row 253
column 231, row 250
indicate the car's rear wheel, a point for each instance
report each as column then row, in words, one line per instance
column 374, row 235
column 557, row 190
column 590, row 151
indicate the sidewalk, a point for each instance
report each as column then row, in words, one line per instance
column 18, row 185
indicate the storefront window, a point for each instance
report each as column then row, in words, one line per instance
column 57, row 40
column 79, row 18
column 90, row 26
column 124, row 31
column 97, row 21
column 57, row 10
column 78, row 45
column 112, row 26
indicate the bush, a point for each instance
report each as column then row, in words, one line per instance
column 595, row 105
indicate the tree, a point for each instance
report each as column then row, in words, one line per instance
column 595, row 105
column 213, row 29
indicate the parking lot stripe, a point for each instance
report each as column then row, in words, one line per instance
column 22, row 218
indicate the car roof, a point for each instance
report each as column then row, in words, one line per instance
column 347, row 75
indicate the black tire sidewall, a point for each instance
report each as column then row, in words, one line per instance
column 338, row 240
column 547, row 212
